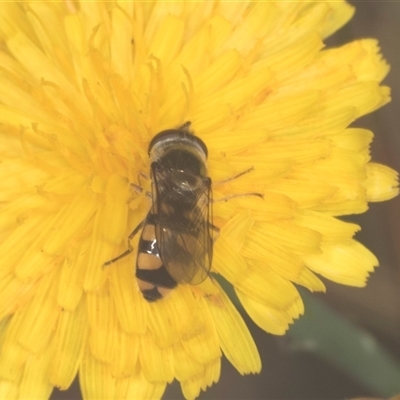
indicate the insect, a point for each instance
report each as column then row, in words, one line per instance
column 176, row 242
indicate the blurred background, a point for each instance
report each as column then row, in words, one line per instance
column 368, row 317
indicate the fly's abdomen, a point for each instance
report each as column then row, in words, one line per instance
column 153, row 279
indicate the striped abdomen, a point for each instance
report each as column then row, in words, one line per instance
column 153, row 279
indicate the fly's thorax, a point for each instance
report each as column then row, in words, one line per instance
column 179, row 150
column 179, row 159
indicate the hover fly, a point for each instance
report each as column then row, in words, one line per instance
column 176, row 242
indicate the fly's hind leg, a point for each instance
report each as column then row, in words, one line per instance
column 217, row 231
column 130, row 248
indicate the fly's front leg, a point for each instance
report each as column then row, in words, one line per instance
column 234, row 196
column 130, row 248
column 232, row 178
column 138, row 188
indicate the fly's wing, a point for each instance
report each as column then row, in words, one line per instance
column 184, row 233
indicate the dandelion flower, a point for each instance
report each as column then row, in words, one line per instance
column 84, row 87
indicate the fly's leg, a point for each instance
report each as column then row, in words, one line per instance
column 143, row 175
column 138, row 188
column 130, row 248
column 234, row 196
column 185, row 126
column 232, row 178
column 217, row 232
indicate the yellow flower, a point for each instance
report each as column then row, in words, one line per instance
column 84, row 87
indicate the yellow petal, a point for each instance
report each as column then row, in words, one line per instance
column 191, row 388
column 104, row 328
column 131, row 311
column 120, row 41
column 8, row 390
column 13, row 355
column 331, row 229
column 366, row 96
column 34, row 382
column 70, row 287
column 264, row 284
column 349, row 263
column 69, row 344
column 140, row 388
column 100, row 251
column 167, row 38
column 41, row 313
column 276, row 112
column 218, row 73
column 381, row 183
column 185, row 367
column 342, row 13
column 309, row 280
column 157, row 363
column 202, row 343
column 271, row 319
column 116, row 210
column 22, row 47
column 228, row 261
column 125, row 355
column 14, row 293
column 69, row 222
column 95, row 379
column 235, row 339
